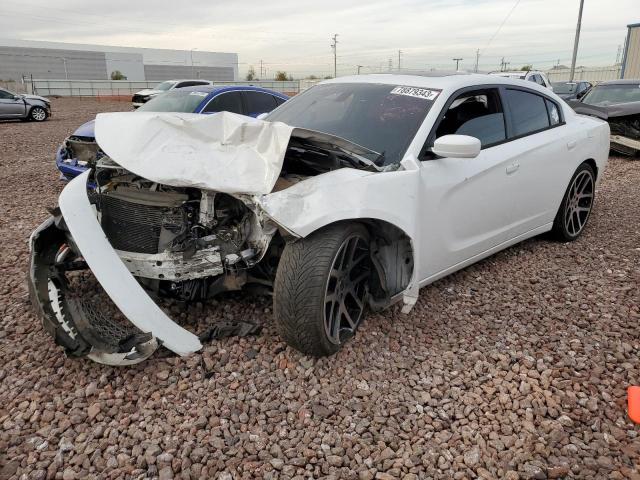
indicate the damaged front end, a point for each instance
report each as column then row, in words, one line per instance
column 165, row 219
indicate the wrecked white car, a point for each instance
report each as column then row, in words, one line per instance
column 349, row 196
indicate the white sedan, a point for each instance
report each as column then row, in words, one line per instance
column 352, row 195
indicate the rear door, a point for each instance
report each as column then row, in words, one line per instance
column 258, row 102
column 11, row 107
column 541, row 146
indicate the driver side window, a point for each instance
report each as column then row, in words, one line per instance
column 476, row 113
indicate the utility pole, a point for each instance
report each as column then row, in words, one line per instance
column 399, row 58
column 575, row 43
column 390, row 64
column 191, row 51
column 359, row 67
column 334, row 46
column 457, row 60
column 261, row 70
column 618, row 54
column 66, row 74
column 477, row 59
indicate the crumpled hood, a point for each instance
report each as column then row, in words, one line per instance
column 606, row 111
column 224, row 151
column 36, row 97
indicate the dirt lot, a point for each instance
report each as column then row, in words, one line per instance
column 513, row 368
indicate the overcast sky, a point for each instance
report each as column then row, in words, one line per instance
column 296, row 35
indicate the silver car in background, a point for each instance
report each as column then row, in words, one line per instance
column 23, row 107
column 143, row 96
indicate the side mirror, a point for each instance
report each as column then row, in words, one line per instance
column 17, row 97
column 457, row 146
column 262, row 116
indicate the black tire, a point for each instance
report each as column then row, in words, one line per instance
column 38, row 114
column 576, row 206
column 309, row 318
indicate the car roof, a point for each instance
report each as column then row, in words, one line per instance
column 621, row 82
column 187, row 80
column 220, row 88
column 445, row 82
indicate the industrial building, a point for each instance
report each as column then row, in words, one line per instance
column 70, row 61
column 631, row 58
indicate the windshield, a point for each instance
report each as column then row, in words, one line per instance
column 174, row 101
column 612, row 94
column 164, row 86
column 564, row 87
column 382, row 118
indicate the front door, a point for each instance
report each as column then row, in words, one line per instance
column 467, row 203
column 10, row 107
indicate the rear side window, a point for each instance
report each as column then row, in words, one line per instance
column 225, row 102
column 192, row 83
column 258, row 103
column 528, row 112
column 554, row 112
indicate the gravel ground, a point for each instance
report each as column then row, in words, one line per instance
column 516, row 367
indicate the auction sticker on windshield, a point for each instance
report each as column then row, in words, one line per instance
column 425, row 93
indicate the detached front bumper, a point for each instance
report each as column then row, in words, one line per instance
column 77, row 325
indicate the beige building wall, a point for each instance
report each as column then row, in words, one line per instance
column 632, row 53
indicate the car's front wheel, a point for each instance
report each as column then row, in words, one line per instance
column 577, row 202
column 38, row 114
column 321, row 288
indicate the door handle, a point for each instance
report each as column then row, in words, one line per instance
column 512, row 168
column 572, row 144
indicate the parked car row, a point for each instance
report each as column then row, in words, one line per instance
column 350, row 196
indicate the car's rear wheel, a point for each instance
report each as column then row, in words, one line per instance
column 321, row 288
column 577, row 202
column 38, row 114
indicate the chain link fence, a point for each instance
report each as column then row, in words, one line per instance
column 126, row 88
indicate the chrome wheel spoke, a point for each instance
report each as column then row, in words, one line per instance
column 346, row 289
column 579, row 202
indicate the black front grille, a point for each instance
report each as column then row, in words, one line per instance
column 134, row 227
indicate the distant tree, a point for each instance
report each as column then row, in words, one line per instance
column 328, row 77
column 527, row 68
column 251, row 74
column 281, row 76
column 117, row 75
column 312, row 77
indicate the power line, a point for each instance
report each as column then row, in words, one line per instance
column 501, row 25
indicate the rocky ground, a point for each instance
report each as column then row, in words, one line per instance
column 513, row 368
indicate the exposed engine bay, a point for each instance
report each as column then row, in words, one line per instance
column 178, row 239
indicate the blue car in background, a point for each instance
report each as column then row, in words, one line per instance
column 81, row 148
